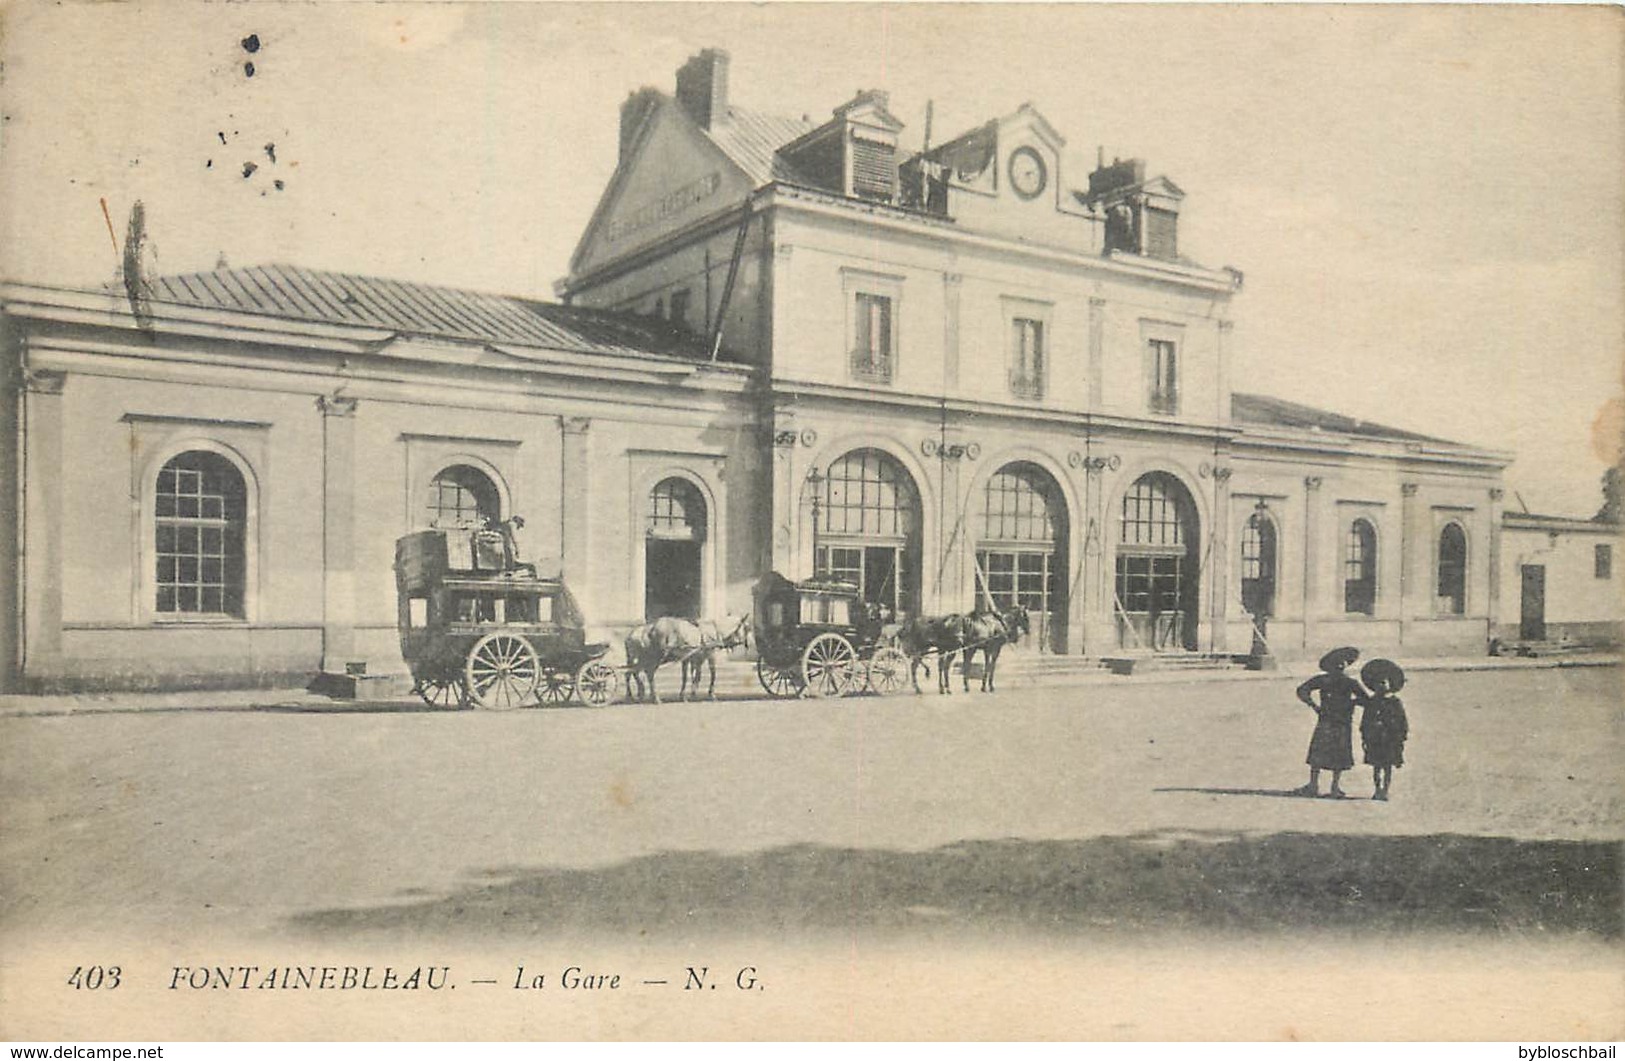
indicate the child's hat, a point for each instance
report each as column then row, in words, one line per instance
column 1339, row 657
column 1384, row 671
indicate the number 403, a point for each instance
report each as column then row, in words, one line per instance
column 94, row 977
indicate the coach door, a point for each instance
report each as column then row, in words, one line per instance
column 1021, row 550
column 1157, row 566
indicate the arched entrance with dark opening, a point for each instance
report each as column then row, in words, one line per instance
column 866, row 529
column 675, row 528
column 1158, row 566
column 1021, row 549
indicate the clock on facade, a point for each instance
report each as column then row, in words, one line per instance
column 1028, row 173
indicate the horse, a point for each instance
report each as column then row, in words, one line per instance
column 688, row 642
column 989, row 632
column 945, row 635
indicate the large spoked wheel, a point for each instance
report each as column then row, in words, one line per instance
column 830, row 665
column 501, row 672
column 780, row 682
column 597, row 683
column 887, row 672
column 555, row 687
column 438, row 692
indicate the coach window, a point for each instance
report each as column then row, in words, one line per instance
column 200, row 517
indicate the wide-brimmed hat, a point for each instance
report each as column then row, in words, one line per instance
column 1384, row 671
column 1338, row 658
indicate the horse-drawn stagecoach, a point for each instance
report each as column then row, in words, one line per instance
column 479, row 628
column 819, row 638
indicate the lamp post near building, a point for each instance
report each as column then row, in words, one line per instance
column 816, row 480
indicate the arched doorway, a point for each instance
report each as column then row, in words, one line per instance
column 866, row 529
column 675, row 529
column 1021, row 549
column 1158, row 566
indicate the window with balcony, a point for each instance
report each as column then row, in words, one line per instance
column 1162, row 376
column 873, row 348
column 1026, row 363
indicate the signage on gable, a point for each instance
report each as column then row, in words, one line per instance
column 664, row 208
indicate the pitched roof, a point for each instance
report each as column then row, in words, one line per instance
column 751, row 140
column 424, row 309
column 1266, row 411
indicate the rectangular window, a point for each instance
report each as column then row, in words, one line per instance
column 678, row 312
column 1026, row 369
column 1604, row 560
column 1162, row 367
column 873, row 340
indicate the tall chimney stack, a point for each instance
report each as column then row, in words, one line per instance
column 702, row 87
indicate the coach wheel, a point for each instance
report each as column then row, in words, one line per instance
column 829, row 664
column 780, row 682
column 501, row 672
column 438, row 692
column 556, row 686
column 887, row 671
column 597, row 683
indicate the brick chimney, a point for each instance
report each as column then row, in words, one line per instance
column 702, row 87
column 634, row 109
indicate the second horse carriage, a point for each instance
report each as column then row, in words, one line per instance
column 819, row 638
column 479, row 628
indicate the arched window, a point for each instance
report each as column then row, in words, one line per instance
column 1452, row 570
column 1157, row 565
column 868, row 527
column 1360, row 568
column 866, row 493
column 676, row 511
column 1151, row 513
column 1020, row 549
column 1016, row 506
column 462, row 496
column 200, row 515
column 1258, row 565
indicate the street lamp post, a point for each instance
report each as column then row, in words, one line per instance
column 816, row 480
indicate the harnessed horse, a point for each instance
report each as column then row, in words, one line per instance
column 989, row 632
column 688, row 642
column 944, row 635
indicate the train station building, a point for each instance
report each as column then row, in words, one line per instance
column 975, row 375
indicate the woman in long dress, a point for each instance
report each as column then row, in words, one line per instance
column 1332, row 746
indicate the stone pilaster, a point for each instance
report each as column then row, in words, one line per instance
column 42, row 522
column 1494, row 600
column 1311, row 554
column 1413, row 569
column 1219, row 560
column 338, row 531
column 1097, row 618
column 951, row 283
column 575, row 503
column 1096, row 372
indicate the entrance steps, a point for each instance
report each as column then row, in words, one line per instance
column 1148, row 662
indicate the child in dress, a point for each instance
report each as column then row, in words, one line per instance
column 1332, row 746
column 1383, row 726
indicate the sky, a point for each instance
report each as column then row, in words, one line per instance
column 1426, row 202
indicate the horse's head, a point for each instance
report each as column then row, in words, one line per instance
column 739, row 631
column 1017, row 623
